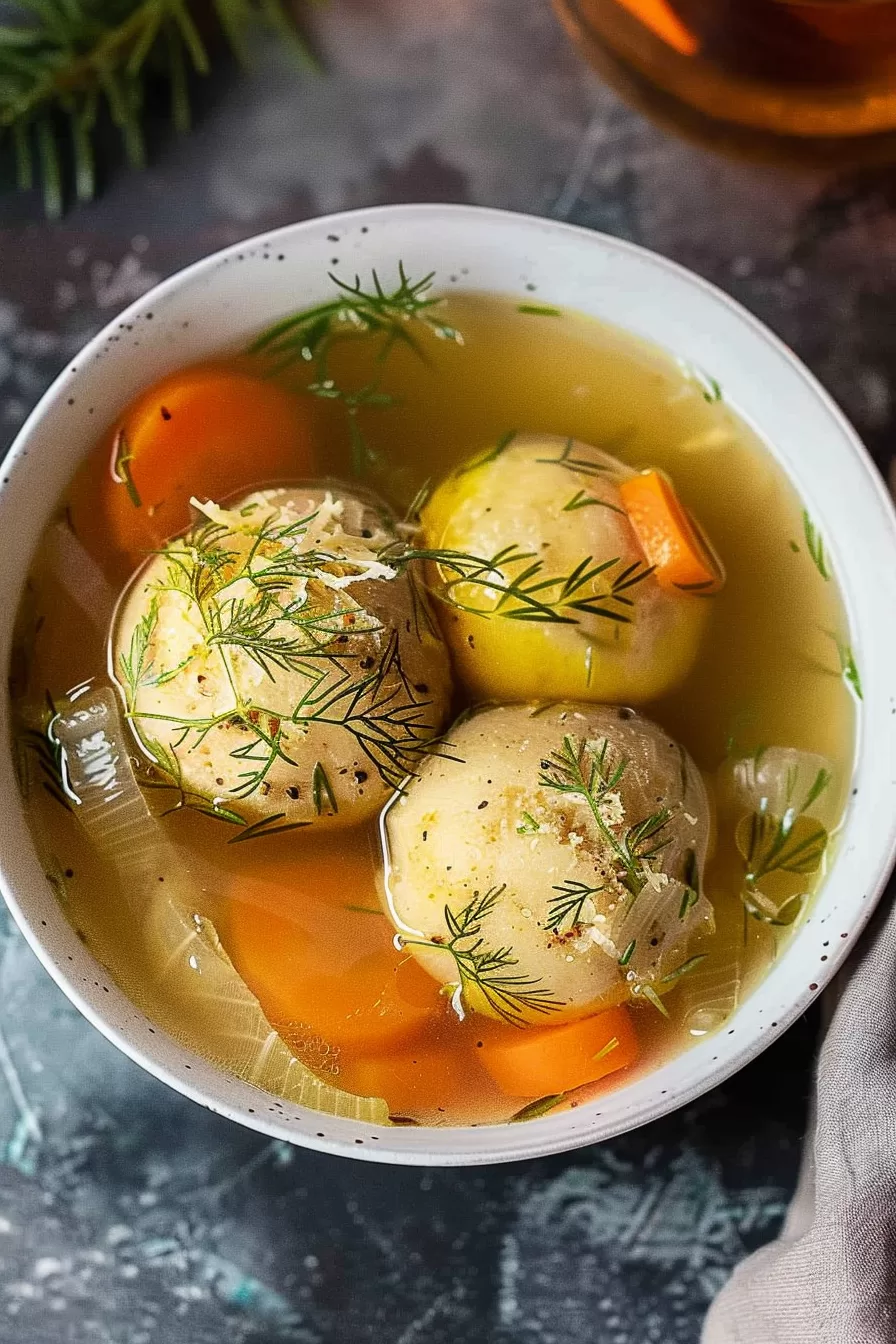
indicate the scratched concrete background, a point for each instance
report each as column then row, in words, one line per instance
column 130, row 1216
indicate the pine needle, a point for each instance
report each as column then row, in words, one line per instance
column 65, row 65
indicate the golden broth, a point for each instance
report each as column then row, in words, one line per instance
column 296, row 907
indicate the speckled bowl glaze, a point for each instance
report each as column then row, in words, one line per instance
column 232, row 294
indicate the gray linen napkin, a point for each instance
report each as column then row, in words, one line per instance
column 831, row 1276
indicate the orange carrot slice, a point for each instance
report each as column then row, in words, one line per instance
column 549, row 1060
column 418, row 1080
column 320, row 967
column 664, row 23
column 209, row 431
column 680, row 554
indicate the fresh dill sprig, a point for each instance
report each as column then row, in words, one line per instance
column 582, row 500
column 487, row 970
column 41, row 744
column 168, row 762
column 628, row 953
column 267, row 826
column 530, row 594
column 491, row 455
column 569, row 905
column 269, row 604
column 133, row 665
column 68, row 67
column 584, row 770
column 776, row 845
column 399, row 316
column 793, row 843
column 815, row 546
column 309, row 334
column 260, row 753
column 581, row 466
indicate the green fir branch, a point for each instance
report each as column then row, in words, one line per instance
column 67, row 64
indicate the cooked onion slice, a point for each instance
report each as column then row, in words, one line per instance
column 777, row 779
column 710, row 993
column 657, row 926
column 80, row 577
column 210, row 1007
column 783, row 805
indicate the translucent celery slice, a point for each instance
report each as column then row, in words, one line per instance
column 212, row 1007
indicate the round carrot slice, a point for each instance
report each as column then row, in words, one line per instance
column 415, row 1082
column 209, row 431
column 540, row 1062
column 315, row 963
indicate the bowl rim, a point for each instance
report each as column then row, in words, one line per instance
column 539, row 1137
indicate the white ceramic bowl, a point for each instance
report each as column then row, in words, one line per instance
column 228, row 296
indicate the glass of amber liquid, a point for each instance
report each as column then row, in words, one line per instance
column 810, row 72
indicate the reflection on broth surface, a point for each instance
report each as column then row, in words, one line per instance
column 476, row 735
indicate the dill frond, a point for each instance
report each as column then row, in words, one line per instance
column 400, row 316
column 488, row 971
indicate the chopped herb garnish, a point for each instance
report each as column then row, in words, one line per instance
column 539, row 310
column 848, row 667
column 276, row 619
column 649, row 993
column 689, row 899
column 527, row 825
column 815, row 546
column 134, row 666
column 537, row 1108
column 772, row 844
column 322, row 791
column 611, row 1045
column 686, row 966
column 793, row 843
column 628, row 953
column 122, row 457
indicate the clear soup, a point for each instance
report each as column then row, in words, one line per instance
column 301, row 910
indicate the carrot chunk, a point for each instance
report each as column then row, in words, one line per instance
column 209, row 431
column 681, row 556
column 540, row 1062
column 664, row 23
column 319, row 967
column 422, row 1078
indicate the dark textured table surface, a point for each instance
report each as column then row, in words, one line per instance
column 127, row 1214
